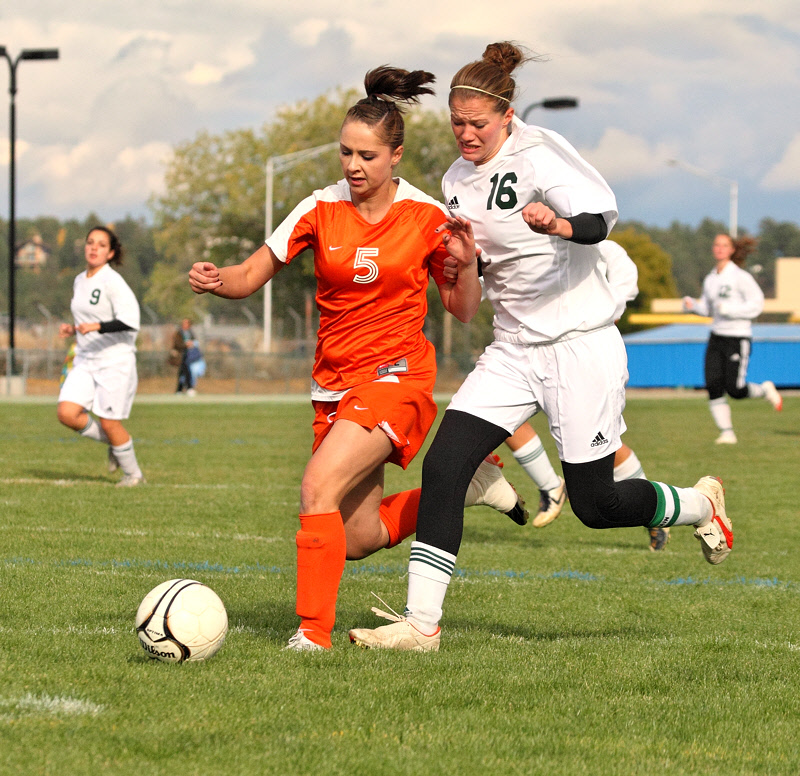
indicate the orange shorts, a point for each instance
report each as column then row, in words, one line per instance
column 403, row 412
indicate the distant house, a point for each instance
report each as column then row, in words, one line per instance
column 33, row 254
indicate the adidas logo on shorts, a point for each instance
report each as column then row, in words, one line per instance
column 453, row 204
column 599, row 440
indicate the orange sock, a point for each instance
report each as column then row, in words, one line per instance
column 399, row 515
column 321, row 550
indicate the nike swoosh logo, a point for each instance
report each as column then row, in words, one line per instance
column 356, row 407
column 334, row 247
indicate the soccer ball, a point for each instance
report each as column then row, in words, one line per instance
column 180, row 620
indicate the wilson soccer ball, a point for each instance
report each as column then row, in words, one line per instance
column 180, row 620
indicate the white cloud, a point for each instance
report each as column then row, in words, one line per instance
column 695, row 79
column 785, row 175
column 90, row 175
column 308, row 32
column 621, row 156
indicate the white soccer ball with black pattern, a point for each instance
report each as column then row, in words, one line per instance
column 181, row 620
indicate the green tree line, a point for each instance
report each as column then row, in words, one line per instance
column 213, row 208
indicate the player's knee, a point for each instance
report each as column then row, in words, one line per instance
column 594, row 509
column 68, row 416
column 435, row 467
column 587, row 513
column 736, row 392
column 315, row 496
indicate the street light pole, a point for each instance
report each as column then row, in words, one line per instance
column 551, row 103
column 733, row 191
column 280, row 164
column 12, row 226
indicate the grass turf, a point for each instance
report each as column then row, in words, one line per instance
column 564, row 650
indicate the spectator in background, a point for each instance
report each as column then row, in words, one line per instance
column 182, row 344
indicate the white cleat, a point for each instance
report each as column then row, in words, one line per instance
column 551, row 502
column 726, row 438
column 400, row 635
column 300, row 643
column 490, row 488
column 113, row 463
column 716, row 536
column 129, row 481
column 772, row 396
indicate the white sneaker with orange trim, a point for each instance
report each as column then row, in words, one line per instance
column 772, row 396
column 401, row 635
column 490, row 488
column 716, row 536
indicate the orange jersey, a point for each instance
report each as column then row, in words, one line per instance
column 371, row 280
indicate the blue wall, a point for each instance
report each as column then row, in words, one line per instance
column 672, row 356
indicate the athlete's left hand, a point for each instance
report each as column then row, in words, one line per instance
column 459, row 240
column 85, row 328
column 543, row 220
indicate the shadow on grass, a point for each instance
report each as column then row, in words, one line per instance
column 540, row 632
column 55, row 476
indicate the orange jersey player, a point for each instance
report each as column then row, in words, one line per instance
column 376, row 239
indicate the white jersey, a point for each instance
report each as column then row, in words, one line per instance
column 622, row 274
column 733, row 299
column 101, row 298
column 541, row 288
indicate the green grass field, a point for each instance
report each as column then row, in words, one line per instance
column 564, row 650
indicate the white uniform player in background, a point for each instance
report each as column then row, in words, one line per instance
column 733, row 298
column 538, row 211
column 103, row 377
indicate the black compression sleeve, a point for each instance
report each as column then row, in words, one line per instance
column 108, row 326
column 588, row 228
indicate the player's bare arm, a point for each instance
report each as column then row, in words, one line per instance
column 543, row 220
column 461, row 296
column 237, row 281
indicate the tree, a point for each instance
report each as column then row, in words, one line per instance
column 213, row 207
column 776, row 240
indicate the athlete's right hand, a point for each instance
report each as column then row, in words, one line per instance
column 204, row 277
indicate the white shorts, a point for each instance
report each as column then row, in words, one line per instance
column 107, row 390
column 578, row 383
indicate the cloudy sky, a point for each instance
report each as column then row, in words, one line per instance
column 712, row 83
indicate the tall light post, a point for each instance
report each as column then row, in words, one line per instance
column 552, row 103
column 280, row 164
column 733, row 191
column 12, row 227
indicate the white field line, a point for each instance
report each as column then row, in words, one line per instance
column 73, row 483
column 94, row 530
column 44, row 705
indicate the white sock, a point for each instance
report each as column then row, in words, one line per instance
column 429, row 572
column 721, row 412
column 127, row 459
column 93, row 430
column 680, row 506
column 629, row 469
column 533, row 458
column 756, row 391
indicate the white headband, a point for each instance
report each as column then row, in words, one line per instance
column 482, row 91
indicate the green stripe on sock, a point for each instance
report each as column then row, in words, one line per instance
column 432, row 560
column 661, row 506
